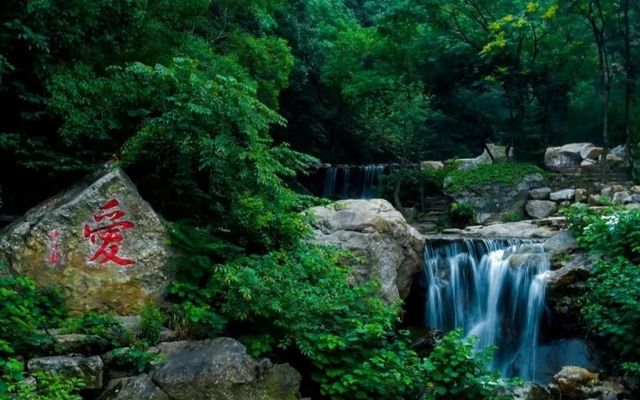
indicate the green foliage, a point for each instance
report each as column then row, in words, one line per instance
column 500, row 173
column 135, row 357
column 455, row 371
column 151, row 322
column 26, row 312
column 514, row 217
column 611, row 308
column 105, row 326
column 462, row 215
column 47, row 386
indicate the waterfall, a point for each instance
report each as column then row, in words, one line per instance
column 493, row 290
column 357, row 182
column 330, row 178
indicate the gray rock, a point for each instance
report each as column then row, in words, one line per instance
column 221, row 369
column 507, row 230
column 434, row 165
column 571, row 381
column 582, row 196
column 568, row 156
column 563, row 195
column 540, row 208
column 495, row 199
column 133, row 388
column 88, row 369
column 391, row 250
column 540, row 194
column 113, row 259
column 561, row 242
column 607, row 191
column 591, row 153
column 75, row 343
column 621, row 198
column 617, row 155
column 530, row 391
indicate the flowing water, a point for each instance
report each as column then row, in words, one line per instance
column 357, row 182
column 494, row 290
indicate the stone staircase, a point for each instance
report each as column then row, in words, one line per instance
column 436, row 212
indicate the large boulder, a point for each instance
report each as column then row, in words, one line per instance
column 575, row 383
column 139, row 387
column 88, row 369
column 570, row 156
column 99, row 242
column 495, row 199
column 540, row 208
column 389, row 248
column 507, row 230
column 563, row 195
column 221, row 369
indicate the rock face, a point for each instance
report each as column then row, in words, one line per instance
column 391, row 249
column 221, row 369
column 497, row 199
column 540, row 208
column 570, row 156
column 135, row 388
column 88, row 369
column 100, row 243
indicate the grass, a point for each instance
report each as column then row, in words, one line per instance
column 502, row 173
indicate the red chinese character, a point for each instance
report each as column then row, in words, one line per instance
column 54, row 248
column 110, row 236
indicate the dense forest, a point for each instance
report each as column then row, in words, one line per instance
column 217, row 108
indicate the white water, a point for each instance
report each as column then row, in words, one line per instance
column 493, row 290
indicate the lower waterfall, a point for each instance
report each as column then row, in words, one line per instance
column 491, row 289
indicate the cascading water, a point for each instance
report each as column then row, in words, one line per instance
column 352, row 182
column 493, row 290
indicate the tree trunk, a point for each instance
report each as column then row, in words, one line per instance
column 396, row 191
column 628, row 88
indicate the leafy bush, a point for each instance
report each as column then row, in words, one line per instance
column 456, row 371
column 611, row 308
column 462, row 215
column 514, row 217
column 502, row 173
column 25, row 314
column 47, row 386
column 151, row 322
column 134, row 357
column 104, row 326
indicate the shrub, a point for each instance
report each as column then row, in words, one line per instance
column 151, row 322
column 105, row 326
column 47, row 386
column 503, row 173
column 462, row 215
column 611, row 308
column 134, row 357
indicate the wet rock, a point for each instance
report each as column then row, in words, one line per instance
column 133, row 388
column 563, row 195
column 221, row 369
column 100, row 243
column 88, row 369
column 572, row 382
column 540, row 208
column 540, row 194
column 391, row 250
column 530, row 391
column 507, row 230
